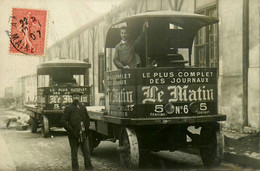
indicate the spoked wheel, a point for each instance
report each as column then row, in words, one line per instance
column 212, row 146
column 34, row 125
column 128, row 149
column 45, row 127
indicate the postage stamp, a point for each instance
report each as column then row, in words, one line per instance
column 28, row 31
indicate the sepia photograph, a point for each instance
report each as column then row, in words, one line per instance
column 129, row 85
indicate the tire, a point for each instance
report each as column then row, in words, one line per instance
column 94, row 141
column 144, row 158
column 212, row 146
column 129, row 153
column 45, row 127
column 34, row 125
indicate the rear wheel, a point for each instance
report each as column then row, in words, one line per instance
column 128, row 148
column 45, row 127
column 212, row 146
column 34, row 125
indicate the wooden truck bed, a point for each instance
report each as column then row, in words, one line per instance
column 96, row 112
column 32, row 108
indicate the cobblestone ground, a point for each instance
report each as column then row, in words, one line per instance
column 31, row 152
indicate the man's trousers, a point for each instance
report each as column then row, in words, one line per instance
column 74, row 145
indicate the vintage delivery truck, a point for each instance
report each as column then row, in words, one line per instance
column 55, row 80
column 151, row 108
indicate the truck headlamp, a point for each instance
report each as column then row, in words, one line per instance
column 194, row 107
column 169, row 108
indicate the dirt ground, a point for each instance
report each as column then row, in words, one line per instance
column 30, row 152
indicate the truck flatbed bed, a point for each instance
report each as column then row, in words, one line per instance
column 30, row 107
column 96, row 112
column 33, row 108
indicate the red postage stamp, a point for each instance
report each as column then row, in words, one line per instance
column 28, row 31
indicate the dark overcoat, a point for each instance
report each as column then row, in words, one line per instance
column 71, row 118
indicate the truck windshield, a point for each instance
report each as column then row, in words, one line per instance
column 61, row 81
column 43, row 80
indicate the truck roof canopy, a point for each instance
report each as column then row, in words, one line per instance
column 188, row 24
column 182, row 19
column 75, row 66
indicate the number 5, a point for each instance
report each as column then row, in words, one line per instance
column 158, row 108
column 203, row 106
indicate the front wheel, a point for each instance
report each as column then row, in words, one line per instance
column 45, row 127
column 212, row 146
column 128, row 148
column 34, row 124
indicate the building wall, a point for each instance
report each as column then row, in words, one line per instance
column 25, row 90
column 9, row 92
column 254, row 64
column 80, row 45
column 29, row 88
column 188, row 6
column 18, row 93
column 230, row 62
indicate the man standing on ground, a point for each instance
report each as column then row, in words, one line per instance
column 75, row 120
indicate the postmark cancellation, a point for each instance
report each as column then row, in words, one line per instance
column 28, row 31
